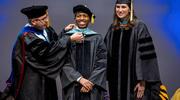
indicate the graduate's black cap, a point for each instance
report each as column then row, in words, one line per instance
column 34, row 11
column 81, row 8
column 123, row 2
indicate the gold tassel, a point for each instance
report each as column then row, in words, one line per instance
column 131, row 15
column 92, row 18
column 48, row 23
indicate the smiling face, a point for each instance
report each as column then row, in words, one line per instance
column 122, row 11
column 82, row 20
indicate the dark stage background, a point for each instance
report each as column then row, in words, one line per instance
column 160, row 16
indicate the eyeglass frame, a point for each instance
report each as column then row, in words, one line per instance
column 41, row 20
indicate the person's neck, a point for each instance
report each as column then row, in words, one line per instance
column 81, row 28
column 123, row 22
column 35, row 27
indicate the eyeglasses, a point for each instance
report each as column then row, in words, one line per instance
column 43, row 19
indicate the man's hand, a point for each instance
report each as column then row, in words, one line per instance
column 84, row 90
column 77, row 37
column 70, row 26
column 87, row 85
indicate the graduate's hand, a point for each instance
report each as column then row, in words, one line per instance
column 70, row 26
column 77, row 37
column 86, row 83
column 84, row 90
column 141, row 88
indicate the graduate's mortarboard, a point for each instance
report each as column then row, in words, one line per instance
column 80, row 8
column 34, row 11
column 123, row 2
column 130, row 3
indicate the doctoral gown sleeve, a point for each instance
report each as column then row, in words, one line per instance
column 98, row 75
column 108, row 38
column 146, row 59
column 108, row 41
column 69, row 74
column 47, row 58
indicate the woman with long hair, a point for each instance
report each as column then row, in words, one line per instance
column 132, row 69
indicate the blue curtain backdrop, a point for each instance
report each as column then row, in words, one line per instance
column 162, row 18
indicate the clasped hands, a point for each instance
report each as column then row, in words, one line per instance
column 86, row 85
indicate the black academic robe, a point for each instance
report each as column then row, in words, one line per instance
column 131, row 58
column 87, row 59
column 43, row 62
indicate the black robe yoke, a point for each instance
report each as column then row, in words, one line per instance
column 131, row 58
column 87, row 59
column 43, row 62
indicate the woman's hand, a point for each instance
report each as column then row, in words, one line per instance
column 141, row 88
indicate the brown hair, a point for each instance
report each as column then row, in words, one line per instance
column 116, row 24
